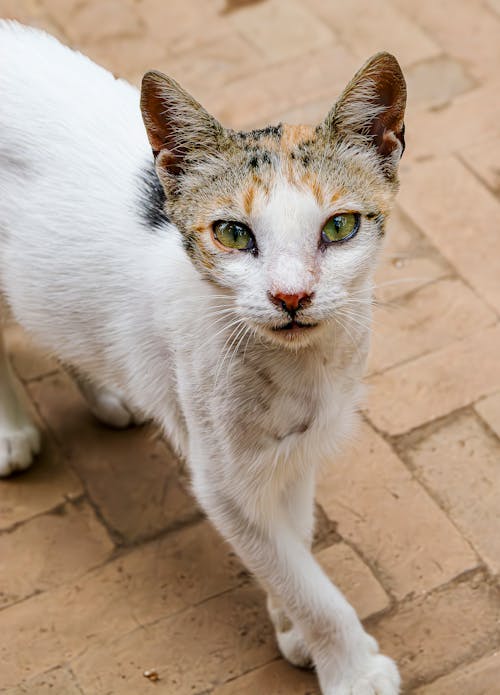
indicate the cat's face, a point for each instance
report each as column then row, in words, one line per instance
column 288, row 218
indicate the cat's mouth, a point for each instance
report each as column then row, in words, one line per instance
column 295, row 326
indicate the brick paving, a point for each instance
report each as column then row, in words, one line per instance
column 107, row 566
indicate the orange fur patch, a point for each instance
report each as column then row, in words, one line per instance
column 293, row 135
column 248, row 199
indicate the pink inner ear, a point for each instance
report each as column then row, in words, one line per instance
column 387, row 128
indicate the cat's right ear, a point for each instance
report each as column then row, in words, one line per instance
column 178, row 127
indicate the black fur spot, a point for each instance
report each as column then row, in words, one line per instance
column 151, row 201
column 274, row 130
column 189, row 245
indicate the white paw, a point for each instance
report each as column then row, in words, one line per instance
column 290, row 641
column 377, row 676
column 18, row 448
column 112, row 410
column 292, row 646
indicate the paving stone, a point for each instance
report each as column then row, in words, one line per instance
column 479, row 678
column 180, row 25
column 150, row 583
column 435, row 634
column 50, row 550
column 281, row 29
column 211, row 64
column 276, row 678
column 364, row 29
column 253, row 100
column 494, row 5
column 382, row 510
column 131, row 475
column 29, row 360
column 489, row 410
column 412, row 394
column 459, row 463
column 460, row 123
column 435, row 81
column 460, row 217
column 31, row 13
column 355, row 579
column 59, row 681
column 233, row 635
column 102, row 19
column 408, row 260
column 471, row 36
column 425, row 320
column 127, row 56
column 484, row 160
column 47, row 484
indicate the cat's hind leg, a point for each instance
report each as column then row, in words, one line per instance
column 19, row 438
column 109, row 406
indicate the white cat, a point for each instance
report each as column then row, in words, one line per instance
column 230, row 302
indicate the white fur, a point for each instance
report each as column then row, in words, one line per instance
column 123, row 305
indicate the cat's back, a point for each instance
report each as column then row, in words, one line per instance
column 69, row 131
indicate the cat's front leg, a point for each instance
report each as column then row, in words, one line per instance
column 266, row 536
column 19, row 438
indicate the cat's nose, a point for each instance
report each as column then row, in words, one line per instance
column 291, row 302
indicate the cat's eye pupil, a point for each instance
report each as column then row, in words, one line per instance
column 340, row 227
column 234, row 235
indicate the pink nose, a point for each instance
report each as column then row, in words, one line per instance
column 291, row 302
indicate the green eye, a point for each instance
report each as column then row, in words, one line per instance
column 234, row 235
column 340, row 227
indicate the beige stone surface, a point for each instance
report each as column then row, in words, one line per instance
column 479, row 678
column 58, row 681
column 459, row 462
column 460, row 216
column 107, row 567
column 132, row 475
column 435, row 634
column 46, row 485
column 433, row 385
column 363, row 28
column 42, row 553
column 483, row 159
column 424, row 321
column 197, row 649
column 276, row 678
column 489, row 409
column 382, row 510
column 354, row 578
column 408, row 261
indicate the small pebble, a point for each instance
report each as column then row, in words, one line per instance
column 151, row 674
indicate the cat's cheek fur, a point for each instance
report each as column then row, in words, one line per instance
column 95, row 270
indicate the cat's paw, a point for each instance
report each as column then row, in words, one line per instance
column 378, row 675
column 112, row 410
column 293, row 647
column 289, row 638
column 18, row 448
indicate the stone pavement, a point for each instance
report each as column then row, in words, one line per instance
column 107, row 567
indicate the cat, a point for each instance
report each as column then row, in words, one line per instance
column 220, row 285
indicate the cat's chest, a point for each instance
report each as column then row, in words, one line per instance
column 285, row 405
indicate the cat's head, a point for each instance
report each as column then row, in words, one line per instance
column 288, row 218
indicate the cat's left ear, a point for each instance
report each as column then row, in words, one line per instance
column 178, row 127
column 371, row 109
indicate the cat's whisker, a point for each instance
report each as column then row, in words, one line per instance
column 226, row 349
